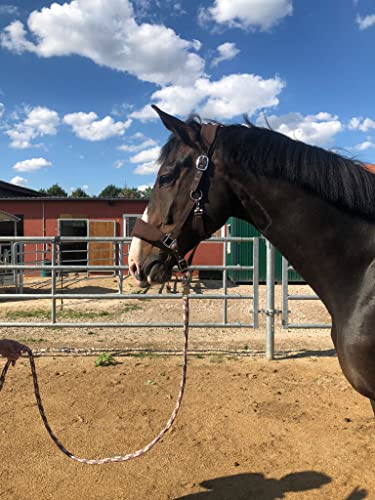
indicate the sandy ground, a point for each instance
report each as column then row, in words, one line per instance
column 248, row 429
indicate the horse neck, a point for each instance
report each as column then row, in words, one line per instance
column 329, row 247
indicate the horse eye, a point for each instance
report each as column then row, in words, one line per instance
column 165, row 179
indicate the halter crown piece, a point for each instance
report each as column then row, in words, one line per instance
column 169, row 241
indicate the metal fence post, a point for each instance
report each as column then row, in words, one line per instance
column 256, row 282
column 270, row 301
column 53, row 280
column 284, row 293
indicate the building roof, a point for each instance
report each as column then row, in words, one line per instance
column 70, row 199
column 8, row 190
column 7, row 217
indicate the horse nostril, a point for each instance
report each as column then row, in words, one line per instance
column 136, row 272
column 139, row 275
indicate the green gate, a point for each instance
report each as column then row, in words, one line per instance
column 242, row 254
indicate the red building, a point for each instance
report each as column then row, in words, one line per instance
column 49, row 216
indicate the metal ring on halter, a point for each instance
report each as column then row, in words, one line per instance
column 202, row 163
column 196, row 195
column 168, row 241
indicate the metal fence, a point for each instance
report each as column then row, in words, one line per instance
column 45, row 256
column 286, row 297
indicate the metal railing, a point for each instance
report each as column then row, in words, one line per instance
column 286, row 298
column 51, row 263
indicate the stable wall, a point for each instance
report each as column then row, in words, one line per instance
column 40, row 218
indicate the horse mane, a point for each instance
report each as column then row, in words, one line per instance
column 342, row 181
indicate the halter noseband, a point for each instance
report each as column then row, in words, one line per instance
column 169, row 241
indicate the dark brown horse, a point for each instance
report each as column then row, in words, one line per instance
column 315, row 206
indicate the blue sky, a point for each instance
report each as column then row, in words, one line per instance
column 77, row 80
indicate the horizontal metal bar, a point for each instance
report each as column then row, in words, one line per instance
column 308, row 325
column 124, row 325
column 62, row 267
column 303, row 297
column 117, row 239
column 137, row 296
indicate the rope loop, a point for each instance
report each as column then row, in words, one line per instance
column 151, row 444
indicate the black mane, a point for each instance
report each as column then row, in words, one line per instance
column 334, row 178
column 342, row 181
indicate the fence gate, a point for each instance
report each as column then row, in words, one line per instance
column 28, row 261
column 286, row 298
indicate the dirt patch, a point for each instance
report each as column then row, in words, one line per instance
column 249, row 429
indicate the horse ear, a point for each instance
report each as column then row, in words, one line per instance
column 188, row 134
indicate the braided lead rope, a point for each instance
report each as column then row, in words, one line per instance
column 115, row 458
column 4, row 373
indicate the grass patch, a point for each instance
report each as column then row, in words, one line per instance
column 72, row 314
column 45, row 314
column 27, row 313
column 66, row 314
column 105, row 359
column 131, row 307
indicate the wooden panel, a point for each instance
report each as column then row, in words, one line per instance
column 101, row 253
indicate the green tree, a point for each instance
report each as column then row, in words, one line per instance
column 131, row 193
column 110, row 191
column 79, row 193
column 56, row 190
column 146, row 193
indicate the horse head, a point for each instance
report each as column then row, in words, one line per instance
column 190, row 201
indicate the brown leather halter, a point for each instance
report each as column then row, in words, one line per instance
column 169, row 241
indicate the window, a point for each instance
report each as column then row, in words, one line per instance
column 75, row 252
column 129, row 223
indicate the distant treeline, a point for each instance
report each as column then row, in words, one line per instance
column 110, row 191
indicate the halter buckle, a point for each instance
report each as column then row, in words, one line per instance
column 183, row 266
column 202, row 163
column 168, row 241
column 198, row 210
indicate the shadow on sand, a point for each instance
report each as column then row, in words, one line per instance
column 307, row 353
column 255, row 486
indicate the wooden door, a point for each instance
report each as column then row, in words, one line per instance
column 101, row 253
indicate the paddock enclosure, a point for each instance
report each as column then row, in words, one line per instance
column 248, row 428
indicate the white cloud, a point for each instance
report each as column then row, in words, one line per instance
column 39, row 121
column 143, row 187
column 146, row 156
column 365, row 22
column 2, row 107
column 31, row 165
column 250, row 14
column 147, row 168
column 9, row 10
column 19, row 181
column 107, row 33
column 362, row 124
column 318, row 129
column 231, row 96
column 133, row 148
column 364, row 145
column 227, row 51
column 88, row 127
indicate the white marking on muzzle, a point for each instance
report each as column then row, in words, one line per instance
column 135, row 251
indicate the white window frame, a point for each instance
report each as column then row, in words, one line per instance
column 125, row 223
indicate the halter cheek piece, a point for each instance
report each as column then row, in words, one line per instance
column 169, row 241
